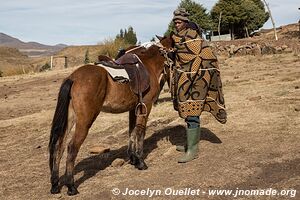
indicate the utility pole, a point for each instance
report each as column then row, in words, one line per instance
column 273, row 22
column 299, row 25
column 219, row 25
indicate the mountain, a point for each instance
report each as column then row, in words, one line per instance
column 32, row 49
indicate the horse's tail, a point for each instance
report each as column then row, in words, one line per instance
column 60, row 119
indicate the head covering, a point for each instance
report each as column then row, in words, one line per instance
column 181, row 14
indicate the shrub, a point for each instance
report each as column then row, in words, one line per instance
column 45, row 67
column 111, row 47
column 87, row 57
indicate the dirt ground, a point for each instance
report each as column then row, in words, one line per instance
column 257, row 149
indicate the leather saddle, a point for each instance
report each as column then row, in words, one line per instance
column 137, row 72
column 139, row 78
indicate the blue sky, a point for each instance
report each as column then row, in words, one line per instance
column 78, row 22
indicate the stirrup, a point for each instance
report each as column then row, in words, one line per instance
column 139, row 112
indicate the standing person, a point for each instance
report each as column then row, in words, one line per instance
column 196, row 84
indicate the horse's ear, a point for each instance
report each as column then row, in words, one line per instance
column 159, row 37
column 172, row 33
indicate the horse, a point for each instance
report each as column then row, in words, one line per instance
column 90, row 90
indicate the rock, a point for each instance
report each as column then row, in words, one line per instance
column 278, row 49
column 221, row 48
column 117, row 162
column 268, row 50
column 248, row 51
column 283, row 47
column 256, row 50
column 254, row 98
column 99, row 150
column 232, row 49
column 288, row 50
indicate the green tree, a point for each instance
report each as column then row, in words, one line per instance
column 198, row 14
column 129, row 36
column 239, row 17
column 120, row 35
column 252, row 17
column 87, row 57
column 260, row 4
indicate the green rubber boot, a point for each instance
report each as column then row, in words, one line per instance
column 180, row 148
column 193, row 137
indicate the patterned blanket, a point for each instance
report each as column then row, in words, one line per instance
column 196, row 81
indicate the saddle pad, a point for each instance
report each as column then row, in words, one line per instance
column 116, row 74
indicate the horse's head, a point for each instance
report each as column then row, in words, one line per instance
column 166, row 41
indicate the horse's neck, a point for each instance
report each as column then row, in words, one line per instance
column 154, row 64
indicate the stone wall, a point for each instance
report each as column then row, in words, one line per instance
column 251, row 48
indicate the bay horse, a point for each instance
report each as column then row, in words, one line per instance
column 86, row 92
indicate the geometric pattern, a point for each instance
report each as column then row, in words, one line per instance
column 196, row 83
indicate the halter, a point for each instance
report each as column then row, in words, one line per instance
column 168, row 63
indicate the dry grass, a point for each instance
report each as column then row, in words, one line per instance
column 259, row 149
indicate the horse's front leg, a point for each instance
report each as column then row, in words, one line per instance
column 136, row 141
column 132, row 123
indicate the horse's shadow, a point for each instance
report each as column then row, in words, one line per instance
column 162, row 100
column 176, row 135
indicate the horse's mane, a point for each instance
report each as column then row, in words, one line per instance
column 147, row 49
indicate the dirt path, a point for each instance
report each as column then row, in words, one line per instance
column 259, row 147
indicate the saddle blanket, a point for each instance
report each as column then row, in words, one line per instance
column 119, row 75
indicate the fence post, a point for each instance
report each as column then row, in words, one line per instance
column 51, row 62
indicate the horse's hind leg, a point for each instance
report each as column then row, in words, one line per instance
column 136, row 141
column 84, row 120
column 78, row 138
column 86, row 106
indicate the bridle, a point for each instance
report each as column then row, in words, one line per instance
column 168, row 63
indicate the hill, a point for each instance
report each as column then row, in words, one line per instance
column 290, row 32
column 29, row 48
column 12, row 61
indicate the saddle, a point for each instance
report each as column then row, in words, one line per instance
column 139, row 78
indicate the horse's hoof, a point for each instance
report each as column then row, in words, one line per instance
column 133, row 160
column 55, row 190
column 141, row 165
column 72, row 191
